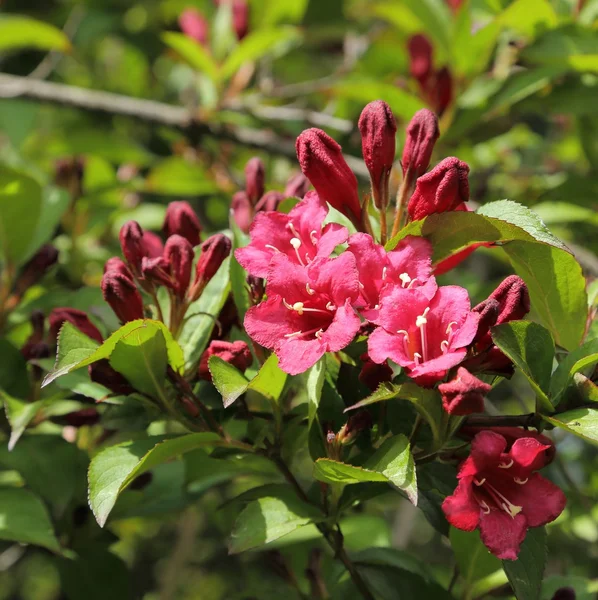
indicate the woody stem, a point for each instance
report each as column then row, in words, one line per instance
column 529, row 420
column 402, row 198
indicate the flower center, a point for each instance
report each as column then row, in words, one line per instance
column 499, row 499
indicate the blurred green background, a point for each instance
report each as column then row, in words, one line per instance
column 521, row 110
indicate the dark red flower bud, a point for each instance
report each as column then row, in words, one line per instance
column 488, row 310
column 378, row 142
column 77, row 318
column 101, row 372
column 513, row 297
column 255, row 174
column 422, row 133
column 297, row 186
column 464, row 394
column 440, row 190
column 242, row 211
column 240, row 18
column 358, row 422
column 490, row 360
column 35, row 347
column 235, row 353
column 152, row 244
column 179, row 254
column 322, row 162
column 214, row 251
column 269, row 201
column 117, row 265
column 257, row 288
column 80, row 418
column 35, row 268
column 157, row 271
column 123, row 297
column 444, row 90
column 420, row 58
column 181, row 219
column 372, row 374
column 455, row 5
column 564, row 593
column 194, row 25
column 136, row 244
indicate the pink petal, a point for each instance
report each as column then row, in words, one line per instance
column 467, row 331
column 383, row 345
column 337, row 277
column 529, row 453
column 438, row 365
column 286, row 279
column 268, row 322
column 333, row 234
column 461, row 509
column 343, row 328
column 503, row 534
column 542, row 501
column 413, row 255
column 309, row 214
column 486, row 450
column 297, row 355
column 400, row 307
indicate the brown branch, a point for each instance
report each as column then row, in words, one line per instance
column 530, row 420
column 150, row 111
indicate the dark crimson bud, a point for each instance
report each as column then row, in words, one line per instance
column 444, row 90
column 179, row 254
column 77, row 318
column 136, row 244
column 157, row 271
column 242, row 211
column 513, row 297
column 194, row 25
column 80, row 418
column 358, row 422
column 35, row 347
column 564, row 593
column 69, row 175
column 240, row 18
column 378, row 143
column 101, row 372
column 35, row 268
column 269, row 201
column 123, row 297
column 464, row 394
column 422, row 133
column 420, row 58
column 235, row 353
column 490, row 360
column 441, row 190
column 257, row 288
column 297, row 186
column 117, row 265
column 488, row 310
column 372, row 374
column 322, row 162
column 255, row 174
column 181, row 219
column 152, row 244
column 214, row 251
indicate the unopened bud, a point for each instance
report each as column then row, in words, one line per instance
column 35, row 268
column 240, row 18
column 181, row 219
column 257, row 288
column 101, row 372
column 255, row 174
column 420, row 58
column 214, row 251
column 372, row 374
column 242, row 211
column 194, row 25
column 565, row 593
column 464, row 394
column 83, row 417
column 152, row 244
column 297, row 186
column 513, row 297
column 179, row 254
column 321, row 160
column 269, row 201
column 378, row 143
column 491, row 360
column 488, row 310
column 235, row 353
column 68, row 175
column 117, row 265
column 76, row 317
column 422, row 133
column 358, row 422
column 136, row 244
column 123, row 297
column 441, row 190
column 444, row 90
column 157, row 271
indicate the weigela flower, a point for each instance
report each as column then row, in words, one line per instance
column 123, row 297
column 194, row 25
column 464, row 394
column 500, row 492
column 179, row 255
column 235, row 353
column 136, row 243
column 512, row 296
column 409, row 266
column 214, row 251
column 255, row 174
column 444, row 188
column 117, row 265
column 425, row 336
column 300, row 236
column 322, row 161
column 422, row 133
column 181, row 219
column 308, row 311
column 77, row 318
column 269, row 201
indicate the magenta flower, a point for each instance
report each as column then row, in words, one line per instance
column 409, row 265
column 300, row 236
column 308, row 311
column 425, row 336
column 500, row 493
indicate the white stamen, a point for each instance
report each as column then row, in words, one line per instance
column 444, row 346
column 412, row 283
column 479, row 483
column 421, row 323
column 377, row 307
column 417, row 358
column 309, row 290
column 405, row 341
column 508, row 506
column 287, row 305
column 298, row 306
column 520, row 481
column 361, row 285
column 293, row 230
column 384, row 273
column 295, row 242
column 449, row 327
column 421, row 319
column 273, row 248
column 506, row 465
column 330, row 306
column 485, row 507
column 405, row 279
column 294, row 334
column 319, row 333
column 313, row 238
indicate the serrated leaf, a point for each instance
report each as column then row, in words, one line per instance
column 582, row 422
column 18, row 32
column 314, row 384
column 531, row 348
column 19, row 414
column 192, row 52
column 270, row 380
column 525, row 574
column 113, row 469
column 585, row 356
column 24, row 519
column 229, row 381
column 333, row 471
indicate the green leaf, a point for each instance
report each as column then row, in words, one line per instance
column 192, row 52
column 178, row 177
column 528, row 17
column 113, row 469
column 229, row 381
column 270, row 518
column 582, row 422
column 584, row 357
column 19, row 414
column 258, row 44
column 14, row 377
column 76, row 350
column 238, row 275
column 525, row 573
column 270, row 380
column 202, row 315
column 473, row 558
column 333, row 471
column 24, row 519
column 18, row 32
column 314, row 385
column 20, row 208
column 531, row 348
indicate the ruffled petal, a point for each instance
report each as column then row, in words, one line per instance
column 297, row 355
column 268, row 322
column 503, row 534
column 461, row 509
column 343, row 328
column 542, row 501
column 309, row 214
column 529, row 454
column 383, row 345
column 333, row 234
column 337, row 277
column 486, row 449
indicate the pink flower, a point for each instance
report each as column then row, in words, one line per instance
column 425, row 336
column 194, row 25
column 464, row 394
column 409, row 265
column 500, row 493
column 300, row 236
column 308, row 311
